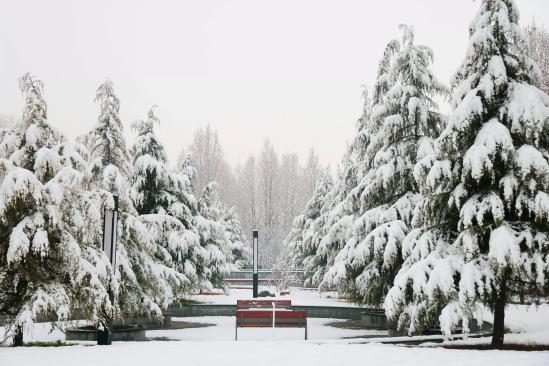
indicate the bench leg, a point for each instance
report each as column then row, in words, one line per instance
column 236, row 333
column 306, row 331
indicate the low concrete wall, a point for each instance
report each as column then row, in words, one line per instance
column 375, row 320
column 201, row 310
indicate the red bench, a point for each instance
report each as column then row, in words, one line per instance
column 267, row 314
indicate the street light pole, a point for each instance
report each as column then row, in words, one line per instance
column 110, row 219
column 255, row 239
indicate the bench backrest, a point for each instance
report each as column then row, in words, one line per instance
column 264, row 318
column 263, row 304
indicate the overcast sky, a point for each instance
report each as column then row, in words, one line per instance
column 290, row 71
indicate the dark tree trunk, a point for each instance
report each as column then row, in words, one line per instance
column 18, row 337
column 499, row 314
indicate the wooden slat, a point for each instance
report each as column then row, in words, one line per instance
column 269, row 325
column 257, row 318
column 264, row 318
column 270, row 320
column 269, row 314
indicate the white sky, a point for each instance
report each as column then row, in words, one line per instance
column 289, row 70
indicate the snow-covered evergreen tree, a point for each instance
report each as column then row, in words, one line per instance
column 164, row 201
column 403, row 123
column 106, row 142
column 212, row 237
column 186, row 210
column 33, row 138
column 187, row 168
column 303, row 239
column 240, row 251
column 45, row 264
column 345, row 196
column 333, row 228
column 156, row 189
column 149, row 191
column 483, row 224
column 139, row 286
column 82, row 215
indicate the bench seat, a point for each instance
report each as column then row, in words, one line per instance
column 268, row 314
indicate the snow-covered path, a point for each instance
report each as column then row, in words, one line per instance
column 265, row 353
column 224, row 330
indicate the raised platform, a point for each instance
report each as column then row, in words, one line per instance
column 119, row 333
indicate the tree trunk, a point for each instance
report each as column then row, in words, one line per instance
column 499, row 314
column 18, row 337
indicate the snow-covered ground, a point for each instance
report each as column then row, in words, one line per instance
column 265, row 353
column 326, row 346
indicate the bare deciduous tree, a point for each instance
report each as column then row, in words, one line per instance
column 538, row 39
column 207, row 157
column 267, row 191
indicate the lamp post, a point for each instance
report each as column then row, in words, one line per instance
column 255, row 239
column 110, row 219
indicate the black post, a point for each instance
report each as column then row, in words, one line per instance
column 255, row 284
column 255, row 239
column 104, row 336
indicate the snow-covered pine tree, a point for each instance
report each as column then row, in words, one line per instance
column 483, row 225
column 403, row 123
column 187, row 168
column 333, row 228
column 82, row 215
column 149, row 192
column 212, row 237
column 106, row 141
column 156, row 189
column 186, row 210
column 302, row 242
column 139, row 286
column 346, row 196
column 241, row 253
column 42, row 267
column 161, row 198
column 23, row 141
